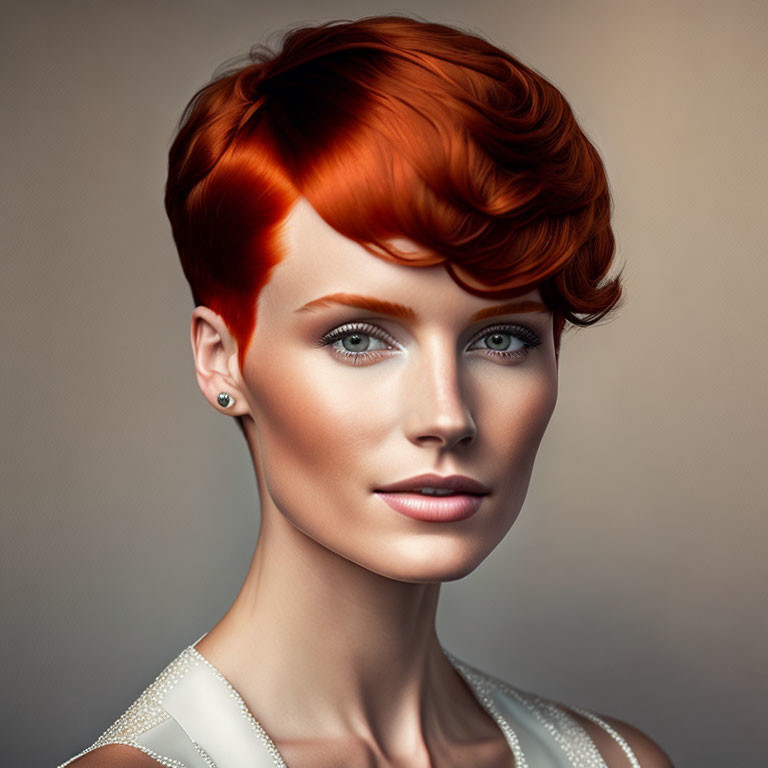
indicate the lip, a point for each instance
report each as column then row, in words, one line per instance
column 459, row 483
column 433, row 509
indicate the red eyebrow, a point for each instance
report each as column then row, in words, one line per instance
column 400, row 310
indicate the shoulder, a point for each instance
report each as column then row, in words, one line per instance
column 614, row 739
column 146, row 721
column 648, row 753
column 114, row 756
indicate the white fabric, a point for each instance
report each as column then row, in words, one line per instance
column 192, row 717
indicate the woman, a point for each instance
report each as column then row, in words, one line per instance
column 386, row 227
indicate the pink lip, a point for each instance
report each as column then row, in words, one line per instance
column 458, row 483
column 433, row 509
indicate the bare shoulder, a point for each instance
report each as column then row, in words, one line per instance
column 648, row 753
column 115, row 756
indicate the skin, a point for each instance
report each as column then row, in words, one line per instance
column 324, row 432
column 333, row 632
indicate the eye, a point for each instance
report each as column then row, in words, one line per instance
column 359, row 342
column 506, row 342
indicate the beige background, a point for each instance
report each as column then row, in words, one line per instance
column 634, row 581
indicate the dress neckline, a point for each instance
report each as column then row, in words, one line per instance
column 480, row 685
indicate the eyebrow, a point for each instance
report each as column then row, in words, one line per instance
column 400, row 310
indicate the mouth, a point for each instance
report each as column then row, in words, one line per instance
column 433, row 498
column 435, row 485
column 433, row 508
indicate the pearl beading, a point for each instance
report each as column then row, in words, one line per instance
column 206, row 757
column 565, row 731
column 147, row 712
column 617, row 737
column 269, row 745
column 482, row 684
column 575, row 742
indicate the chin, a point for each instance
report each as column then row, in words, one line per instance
column 420, row 563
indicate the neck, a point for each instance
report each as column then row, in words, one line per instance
column 318, row 645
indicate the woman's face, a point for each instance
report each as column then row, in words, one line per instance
column 346, row 399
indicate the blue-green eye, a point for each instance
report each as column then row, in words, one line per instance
column 506, row 341
column 363, row 342
column 358, row 342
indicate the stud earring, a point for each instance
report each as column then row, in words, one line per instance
column 225, row 400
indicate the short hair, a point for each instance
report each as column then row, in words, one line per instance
column 392, row 127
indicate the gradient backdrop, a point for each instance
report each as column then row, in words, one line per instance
column 634, row 582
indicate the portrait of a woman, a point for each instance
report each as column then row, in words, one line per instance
column 386, row 225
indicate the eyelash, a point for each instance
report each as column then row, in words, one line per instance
column 529, row 339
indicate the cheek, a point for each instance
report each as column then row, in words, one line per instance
column 514, row 430
column 536, row 407
column 311, row 432
column 519, row 425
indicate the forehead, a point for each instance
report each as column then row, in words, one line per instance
column 319, row 261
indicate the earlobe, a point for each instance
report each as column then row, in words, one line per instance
column 215, row 353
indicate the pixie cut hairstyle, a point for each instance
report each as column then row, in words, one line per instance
column 392, row 127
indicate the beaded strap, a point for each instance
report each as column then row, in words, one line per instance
column 575, row 742
column 484, row 685
column 206, row 757
column 269, row 745
column 148, row 712
column 617, row 737
column 565, row 731
column 145, row 713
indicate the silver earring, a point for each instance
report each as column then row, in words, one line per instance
column 225, row 400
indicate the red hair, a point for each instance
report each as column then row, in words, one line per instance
column 392, row 127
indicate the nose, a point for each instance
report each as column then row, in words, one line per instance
column 436, row 408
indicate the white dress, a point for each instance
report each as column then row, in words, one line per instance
column 192, row 717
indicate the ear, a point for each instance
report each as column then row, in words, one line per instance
column 216, row 365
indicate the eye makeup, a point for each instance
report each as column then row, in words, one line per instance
column 357, row 332
column 528, row 340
